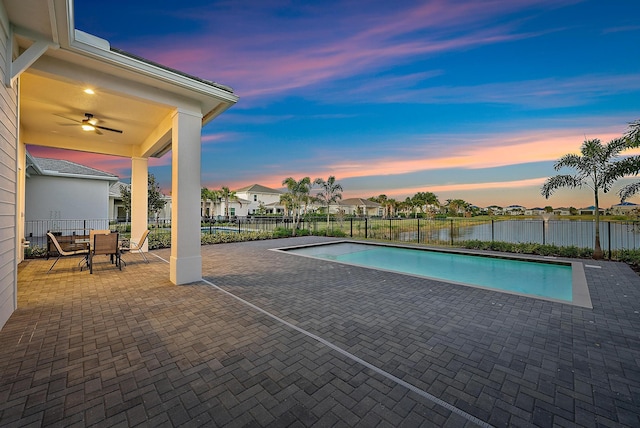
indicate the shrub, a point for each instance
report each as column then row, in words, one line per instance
column 35, row 251
column 282, row 232
column 529, row 248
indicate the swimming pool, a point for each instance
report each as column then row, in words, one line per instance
column 552, row 280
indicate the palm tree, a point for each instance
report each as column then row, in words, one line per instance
column 596, row 168
column 633, row 139
column 299, row 191
column 425, row 201
column 386, row 203
column 287, row 202
column 208, row 195
column 455, row 205
column 330, row 192
column 228, row 196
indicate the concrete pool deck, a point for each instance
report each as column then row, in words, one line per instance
column 270, row 339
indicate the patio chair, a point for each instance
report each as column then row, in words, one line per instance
column 106, row 244
column 137, row 246
column 61, row 252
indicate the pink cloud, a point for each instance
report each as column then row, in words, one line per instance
column 552, row 92
column 271, row 57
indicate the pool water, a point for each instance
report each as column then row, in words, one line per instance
column 553, row 281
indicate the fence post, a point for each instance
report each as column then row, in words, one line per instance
column 492, row 231
column 609, row 237
column 418, row 231
column 451, row 233
column 544, row 241
column 351, row 221
column 365, row 228
column 390, row 230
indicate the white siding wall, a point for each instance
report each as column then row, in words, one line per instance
column 254, row 205
column 65, row 198
column 8, row 182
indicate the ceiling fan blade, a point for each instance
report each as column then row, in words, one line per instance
column 68, row 118
column 109, row 129
column 97, row 131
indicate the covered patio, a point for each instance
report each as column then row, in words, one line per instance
column 272, row 339
column 76, row 92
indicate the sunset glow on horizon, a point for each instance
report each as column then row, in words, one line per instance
column 468, row 100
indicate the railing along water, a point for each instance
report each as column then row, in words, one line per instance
column 614, row 235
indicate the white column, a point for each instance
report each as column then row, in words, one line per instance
column 139, row 198
column 186, row 259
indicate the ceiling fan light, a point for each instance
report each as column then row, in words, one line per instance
column 89, row 91
column 88, row 127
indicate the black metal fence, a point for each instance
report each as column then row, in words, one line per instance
column 614, row 235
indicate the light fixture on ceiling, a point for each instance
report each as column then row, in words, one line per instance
column 89, row 122
column 89, row 91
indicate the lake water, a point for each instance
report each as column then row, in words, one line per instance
column 613, row 236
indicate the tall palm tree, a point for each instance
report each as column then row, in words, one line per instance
column 330, row 192
column 633, row 139
column 208, row 195
column 456, row 205
column 597, row 168
column 425, row 201
column 228, row 196
column 299, row 191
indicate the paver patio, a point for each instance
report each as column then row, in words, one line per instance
column 128, row 348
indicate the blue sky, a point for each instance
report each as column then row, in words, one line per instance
column 467, row 99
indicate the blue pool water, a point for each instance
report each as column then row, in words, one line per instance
column 548, row 280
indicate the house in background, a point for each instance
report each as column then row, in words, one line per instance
column 534, row 211
column 257, row 195
column 58, row 190
column 514, row 210
column 562, row 211
column 249, row 201
column 118, row 213
column 589, row 211
column 495, row 210
column 625, row 208
column 358, row 207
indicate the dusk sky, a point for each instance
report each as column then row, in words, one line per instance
column 467, row 99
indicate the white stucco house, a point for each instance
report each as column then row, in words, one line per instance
column 248, row 201
column 514, row 210
column 358, row 207
column 624, row 208
column 256, row 195
column 57, row 190
column 54, row 75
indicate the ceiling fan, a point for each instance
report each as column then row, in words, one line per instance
column 90, row 123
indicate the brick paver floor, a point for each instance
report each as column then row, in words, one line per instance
column 273, row 339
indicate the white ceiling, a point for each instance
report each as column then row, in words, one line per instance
column 55, row 108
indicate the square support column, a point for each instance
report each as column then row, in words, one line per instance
column 186, row 258
column 139, row 198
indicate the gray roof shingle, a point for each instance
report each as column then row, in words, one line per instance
column 60, row 166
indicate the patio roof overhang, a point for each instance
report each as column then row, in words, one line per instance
column 131, row 94
column 157, row 109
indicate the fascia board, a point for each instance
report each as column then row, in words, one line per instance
column 156, row 73
column 49, row 173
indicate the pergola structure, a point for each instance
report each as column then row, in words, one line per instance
column 55, row 74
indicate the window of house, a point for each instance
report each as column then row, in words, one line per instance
column 232, row 211
column 255, row 198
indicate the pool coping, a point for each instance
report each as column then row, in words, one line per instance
column 579, row 286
